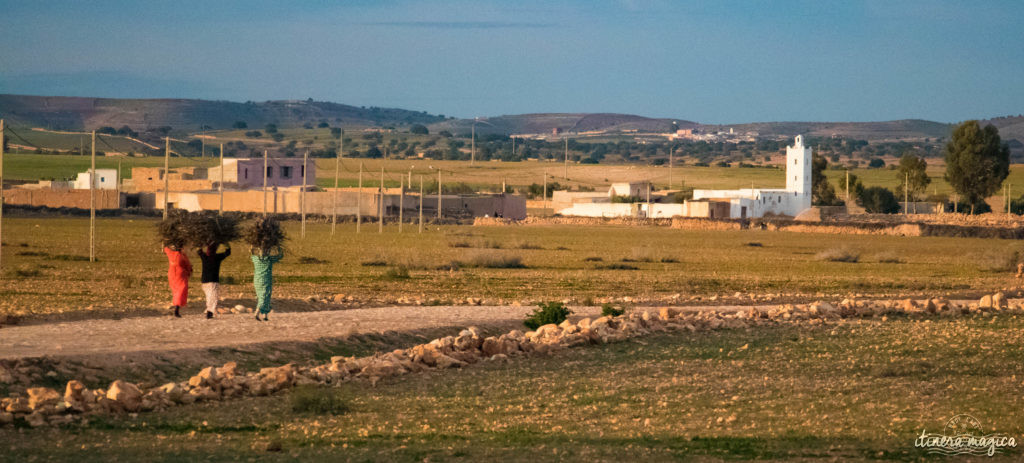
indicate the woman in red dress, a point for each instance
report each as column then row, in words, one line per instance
column 178, row 270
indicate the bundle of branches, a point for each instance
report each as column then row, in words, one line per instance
column 203, row 229
column 264, row 235
column 170, row 230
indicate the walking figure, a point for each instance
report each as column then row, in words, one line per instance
column 211, row 275
column 178, row 270
column 263, row 278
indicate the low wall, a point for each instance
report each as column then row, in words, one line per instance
column 105, row 199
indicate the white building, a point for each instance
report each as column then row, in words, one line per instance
column 755, row 202
column 106, row 179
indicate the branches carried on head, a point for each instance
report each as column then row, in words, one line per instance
column 199, row 229
column 264, row 236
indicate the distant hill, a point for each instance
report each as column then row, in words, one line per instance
column 905, row 129
column 565, row 122
column 187, row 116
column 73, row 113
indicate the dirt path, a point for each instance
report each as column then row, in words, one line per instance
column 163, row 334
column 142, row 334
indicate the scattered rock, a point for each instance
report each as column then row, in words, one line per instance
column 126, row 395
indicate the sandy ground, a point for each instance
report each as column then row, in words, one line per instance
column 143, row 334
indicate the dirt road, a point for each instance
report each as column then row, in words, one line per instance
column 143, row 334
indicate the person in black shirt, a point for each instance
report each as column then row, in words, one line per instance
column 211, row 274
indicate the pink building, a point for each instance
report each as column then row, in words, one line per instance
column 280, row 172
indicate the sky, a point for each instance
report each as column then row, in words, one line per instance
column 707, row 61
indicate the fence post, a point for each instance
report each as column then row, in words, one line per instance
column 92, row 202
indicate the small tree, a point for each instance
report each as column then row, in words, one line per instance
column 977, row 162
column 419, row 129
column 822, row 193
column 878, row 200
column 912, row 172
column 876, row 163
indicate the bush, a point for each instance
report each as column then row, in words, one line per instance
column 318, row 401
column 608, row 310
column 547, row 313
column 495, row 261
column 878, row 200
column 396, row 273
column 311, row 260
column 593, row 259
column 839, row 255
column 617, row 267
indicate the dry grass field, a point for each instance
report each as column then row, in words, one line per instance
column 46, row 273
column 850, row 391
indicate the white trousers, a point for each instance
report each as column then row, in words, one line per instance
column 212, row 291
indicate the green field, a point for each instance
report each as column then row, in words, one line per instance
column 44, row 275
column 490, row 175
column 852, row 391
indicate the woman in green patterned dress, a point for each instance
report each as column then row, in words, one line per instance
column 263, row 278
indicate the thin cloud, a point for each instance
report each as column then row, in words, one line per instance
column 462, row 24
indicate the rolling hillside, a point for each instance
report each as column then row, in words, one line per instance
column 72, row 113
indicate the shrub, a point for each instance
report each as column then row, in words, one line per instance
column 612, row 311
column 617, row 267
column 593, row 259
column 547, row 313
column 24, row 273
column 396, row 273
column 311, row 260
column 458, row 244
column 495, row 261
column 318, row 401
column 754, row 244
column 373, row 263
column 838, row 255
column 527, row 245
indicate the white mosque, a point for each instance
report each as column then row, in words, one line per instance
column 756, row 202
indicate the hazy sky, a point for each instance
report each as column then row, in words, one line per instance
column 712, row 62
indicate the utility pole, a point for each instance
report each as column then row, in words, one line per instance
column 92, row 202
column 265, row 172
column 421, row 204
column 401, row 202
column 847, row 187
column 671, row 151
column 439, row 195
column 1, row 193
column 567, row 157
column 906, row 193
column 544, row 195
column 167, row 172
column 220, row 187
column 302, row 196
column 337, row 169
column 202, row 138
column 380, row 208
column 513, row 146
column 472, row 143
column 648, row 199
column 359, row 200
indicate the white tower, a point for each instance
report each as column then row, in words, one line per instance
column 798, row 173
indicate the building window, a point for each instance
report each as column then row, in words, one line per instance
column 794, row 162
column 270, row 171
column 302, row 170
column 246, row 173
column 103, row 179
column 286, row 172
